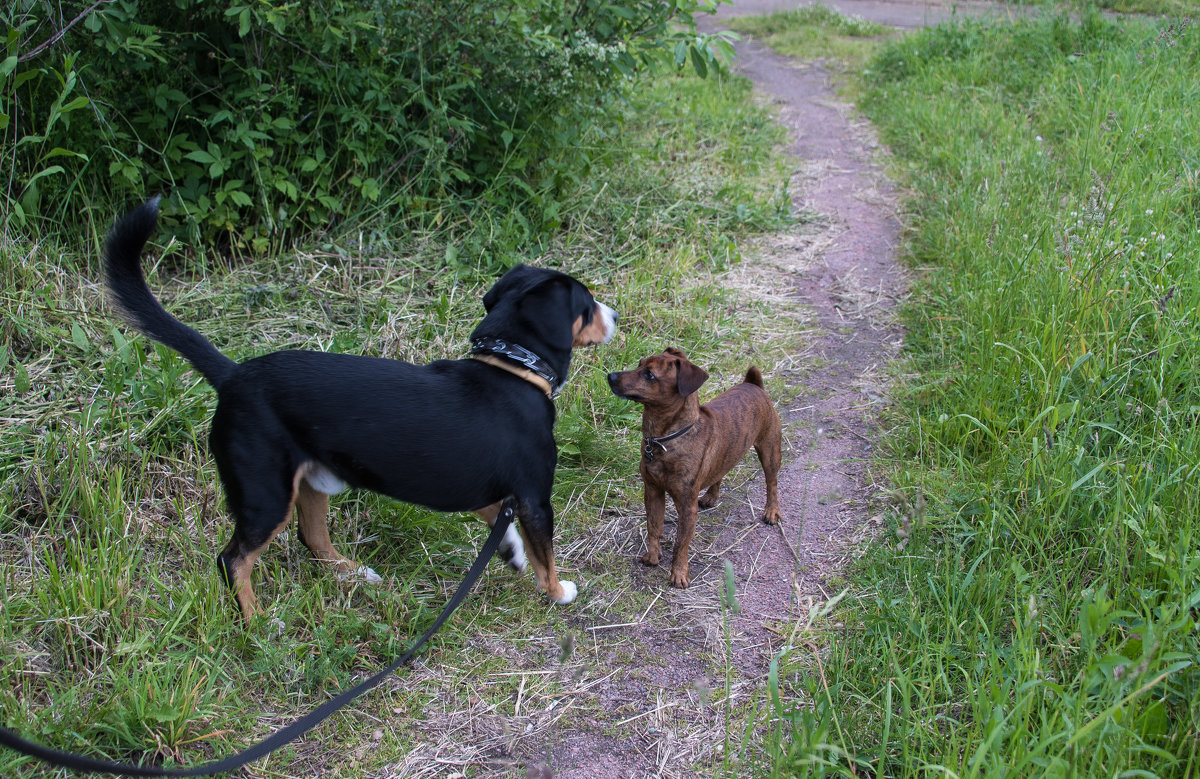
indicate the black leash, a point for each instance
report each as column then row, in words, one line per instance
column 298, row 728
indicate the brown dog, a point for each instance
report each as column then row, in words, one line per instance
column 687, row 447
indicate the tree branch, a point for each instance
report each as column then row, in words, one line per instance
column 56, row 37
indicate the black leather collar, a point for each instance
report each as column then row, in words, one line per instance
column 520, row 355
column 648, row 444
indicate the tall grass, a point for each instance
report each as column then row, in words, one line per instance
column 1034, row 611
column 116, row 637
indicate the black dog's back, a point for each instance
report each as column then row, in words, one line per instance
column 368, row 419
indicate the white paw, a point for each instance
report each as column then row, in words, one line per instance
column 569, row 591
column 512, row 540
column 361, row 574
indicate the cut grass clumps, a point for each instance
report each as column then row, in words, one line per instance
column 116, row 636
column 1038, row 615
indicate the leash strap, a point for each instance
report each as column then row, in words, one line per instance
column 78, row 762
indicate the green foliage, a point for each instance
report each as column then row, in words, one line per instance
column 267, row 119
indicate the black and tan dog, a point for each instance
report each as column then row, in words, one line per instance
column 688, row 448
column 293, row 427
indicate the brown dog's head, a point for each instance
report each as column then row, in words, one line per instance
column 660, row 379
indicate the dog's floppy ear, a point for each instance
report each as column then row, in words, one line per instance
column 582, row 302
column 515, row 276
column 688, row 375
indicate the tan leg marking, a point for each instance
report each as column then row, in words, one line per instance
column 489, row 513
column 542, row 559
column 242, row 567
column 312, row 508
column 512, row 548
column 312, row 512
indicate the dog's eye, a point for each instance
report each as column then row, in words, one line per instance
column 649, row 375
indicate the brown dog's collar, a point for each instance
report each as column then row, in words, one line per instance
column 648, row 444
column 516, row 370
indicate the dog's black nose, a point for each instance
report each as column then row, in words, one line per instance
column 612, row 378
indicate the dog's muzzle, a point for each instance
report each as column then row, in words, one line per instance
column 609, row 318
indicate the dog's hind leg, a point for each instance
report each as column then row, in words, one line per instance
column 312, row 511
column 512, row 549
column 258, row 520
column 770, row 456
column 711, row 497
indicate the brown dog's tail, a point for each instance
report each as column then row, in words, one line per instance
column 753, row 376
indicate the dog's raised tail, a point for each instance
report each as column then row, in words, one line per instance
column 128, row 292
column 753, row 376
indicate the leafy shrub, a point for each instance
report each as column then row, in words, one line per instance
column 261, row 118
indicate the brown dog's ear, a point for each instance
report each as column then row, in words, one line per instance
column 676, row 352
column 688, row 376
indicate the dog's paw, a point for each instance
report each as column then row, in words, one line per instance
column 569, row 591
column 680, row 579
column 512, row 549
column 650, row 558
column 705, row 503
column 772, row 517
column 361, row 574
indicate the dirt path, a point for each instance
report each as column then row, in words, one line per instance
column 646, row 696
column 664, row 707
column 902, row 14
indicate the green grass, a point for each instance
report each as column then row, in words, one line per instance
column 1033, row 609
column 117, row 638
column 1183, row 8
column 815, row 32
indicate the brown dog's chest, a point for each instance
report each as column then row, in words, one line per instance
column 679, row 463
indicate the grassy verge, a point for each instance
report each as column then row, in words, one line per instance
column 1156, row 7
column 1033, row 611
column 815, row 32
column 118, row 640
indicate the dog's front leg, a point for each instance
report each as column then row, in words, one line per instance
column 537, row 528
column 656, row 504
column 686, row 509
column 511, row 550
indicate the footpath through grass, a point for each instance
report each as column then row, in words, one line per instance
column 116, row 637
column 1033, row 609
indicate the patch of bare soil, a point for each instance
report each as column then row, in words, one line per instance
column 647, row 696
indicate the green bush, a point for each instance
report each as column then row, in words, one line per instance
column 263, row 118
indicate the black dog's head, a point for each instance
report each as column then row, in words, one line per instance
column 545, row 311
